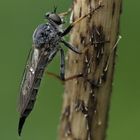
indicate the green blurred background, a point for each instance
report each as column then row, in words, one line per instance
column 18, row 19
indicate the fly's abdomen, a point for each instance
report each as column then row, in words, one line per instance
column 34, row 91
column 27, row 111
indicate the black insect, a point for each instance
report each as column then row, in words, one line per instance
column 46, row 43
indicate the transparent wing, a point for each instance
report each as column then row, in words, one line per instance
column 28, row 79
column 36, row 63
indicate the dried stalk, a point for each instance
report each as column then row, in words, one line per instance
column 87, row 99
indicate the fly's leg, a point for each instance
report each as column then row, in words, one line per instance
column 65, row 79
column 65, row 13
column 68, row 29
column 74, row 49
column 62, row 15
column 71, row 47
column 62, row 70
column 62, row 65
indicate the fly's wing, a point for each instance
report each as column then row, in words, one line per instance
column 28, row 79
column 27, row 86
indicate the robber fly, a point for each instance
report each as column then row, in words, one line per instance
column 46, row 43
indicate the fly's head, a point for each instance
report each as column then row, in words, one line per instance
column 52, row 17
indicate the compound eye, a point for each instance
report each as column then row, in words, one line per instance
column 55, row 18
column 47, row 14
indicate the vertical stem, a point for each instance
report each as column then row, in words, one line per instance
column 87, row 99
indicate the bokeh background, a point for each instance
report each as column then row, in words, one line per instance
column 18, row 19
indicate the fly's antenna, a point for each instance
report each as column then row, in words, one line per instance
column 54, row 7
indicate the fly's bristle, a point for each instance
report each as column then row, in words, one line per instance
column 20, row 125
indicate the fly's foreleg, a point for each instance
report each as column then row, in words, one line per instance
column 65, row 13
column 71, row 47
column 68, row 29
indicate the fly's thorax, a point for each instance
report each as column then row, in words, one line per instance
column 46, row 34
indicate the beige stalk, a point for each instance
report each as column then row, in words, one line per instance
column 87, row 98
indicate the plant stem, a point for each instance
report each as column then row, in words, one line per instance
column 87, row 99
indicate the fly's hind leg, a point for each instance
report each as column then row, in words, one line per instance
column 65, row 79
column 62, row 70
